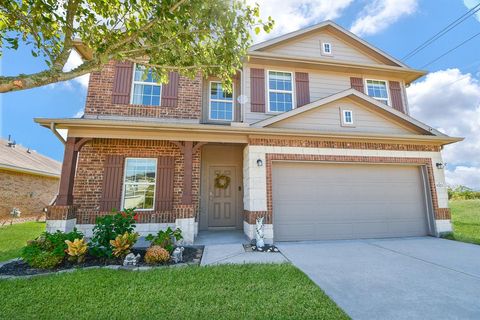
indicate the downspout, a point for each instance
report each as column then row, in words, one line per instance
column 55, row 132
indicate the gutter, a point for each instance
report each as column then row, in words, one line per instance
column 56, row 133
column 12, row 168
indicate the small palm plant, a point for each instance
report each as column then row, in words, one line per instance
column 123, row 244
column 76, row 250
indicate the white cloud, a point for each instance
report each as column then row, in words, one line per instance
column 450, row 101
column 291, row 15
column 380, row 14
column 470, row 4
column 464, row 176
column 74, row 60
column 79, row 113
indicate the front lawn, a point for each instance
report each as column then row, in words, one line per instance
column 221, row 292
column 466, row 220
column 14, row 237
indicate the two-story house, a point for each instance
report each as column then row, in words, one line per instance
column 316, row 137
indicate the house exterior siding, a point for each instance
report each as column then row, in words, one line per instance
column 321, row 84
column 99, row 99
column 27, row 192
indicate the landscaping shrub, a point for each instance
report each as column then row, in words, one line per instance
column 107, row 228
column 166, row 239
column 76, row 250
column 156, row 254
column 48, row 250
column 123, row 243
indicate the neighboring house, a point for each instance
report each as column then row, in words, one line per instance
column 316, row 137
column 28, row 181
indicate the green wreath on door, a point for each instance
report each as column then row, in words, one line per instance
column 222, row 181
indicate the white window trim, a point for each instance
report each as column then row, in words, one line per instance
column 323, row 48
column 125, row 183
column 280, row 91
column 344, row 121
column 220, row 100
column 143, row 82
column 387, row 87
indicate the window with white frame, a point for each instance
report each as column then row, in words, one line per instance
column 377, row 89
column 347, row 117
column 326, row 48
column 145, row 89
column 221, row 103
column 139, row 183
column 280, row 91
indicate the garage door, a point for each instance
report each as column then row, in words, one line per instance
column 313, row 201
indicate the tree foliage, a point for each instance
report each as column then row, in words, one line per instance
column 188, row 36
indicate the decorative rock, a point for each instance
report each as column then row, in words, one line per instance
column 131, row 260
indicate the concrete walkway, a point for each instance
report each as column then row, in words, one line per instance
column 226, row 247
column 409, row 278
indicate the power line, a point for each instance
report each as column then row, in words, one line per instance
column 454, row 48
column 442, row 32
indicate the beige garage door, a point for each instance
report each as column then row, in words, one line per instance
column 313, row 201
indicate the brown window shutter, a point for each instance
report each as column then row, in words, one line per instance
column 257, row 88
column 302, row 88
column 122, row 82
column 164, row 187
column 170, row 90
column 357, row 84
column 112, row 183
column 396, row 96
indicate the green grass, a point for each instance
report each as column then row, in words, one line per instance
column 14, row 237
column 466, row 220
column 221, row 292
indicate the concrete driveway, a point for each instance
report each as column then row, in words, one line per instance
column 407, row 278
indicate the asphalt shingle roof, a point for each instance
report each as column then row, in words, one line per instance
column 22, row 159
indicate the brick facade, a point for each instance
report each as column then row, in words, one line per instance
column 99, row 99
column 30, row 193
column 89, row 178
column 342, row 144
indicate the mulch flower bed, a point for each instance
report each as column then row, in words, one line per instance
column 191, row 256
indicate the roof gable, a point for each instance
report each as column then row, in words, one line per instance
column 347, row 46
column 372, row 115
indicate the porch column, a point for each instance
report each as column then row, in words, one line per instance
column 62, row 216
column 188, row 149
column 65, row 194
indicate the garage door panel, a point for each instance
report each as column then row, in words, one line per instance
column 347, row 201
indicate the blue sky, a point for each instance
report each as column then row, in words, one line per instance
column 448, row 99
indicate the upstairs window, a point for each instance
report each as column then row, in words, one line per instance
column 221, row 103
column 347, row 117
column 139, row 183
column 146, row 90
column 377, row 89
column 326, row 48
column 280, row 91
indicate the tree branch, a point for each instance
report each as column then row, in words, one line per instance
column 178, row 4
column 22, row 82
column 62, row 58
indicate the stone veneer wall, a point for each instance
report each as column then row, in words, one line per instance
column 257, row 180
column 89, row 178
column 30, row 193
column 99, row 99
